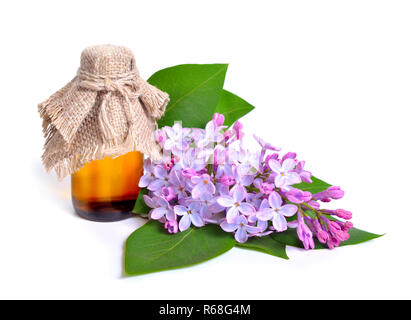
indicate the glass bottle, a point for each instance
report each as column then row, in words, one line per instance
column 106, row 190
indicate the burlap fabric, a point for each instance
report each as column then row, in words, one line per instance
column 106, row 110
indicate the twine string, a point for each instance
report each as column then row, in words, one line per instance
column 125, row 84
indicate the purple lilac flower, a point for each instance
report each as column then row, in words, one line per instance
column 277, row 212
column 340, row 213
column 298, row 196
column 150, row 201
column 192, row 160
column 168, row 193
column 148, row 176
column 176, row 141
column 265, row 166
column 188, row 172
column 314, row 204
column 304, row 233
column 234, row 203
column 218, row 119
column 241, row 228
column 208, row 205
column 212, row 135
column 265, row 145
column 242, row 179
column 248, row 162
column 305, row 175
column 284, row 174
column 202, row 184
column 228, row 136
column 266, row 188
column 237, row 129
column 163, row 209
column 332, row 192
column 171, row 226
column 340, row 226
column 227, row 180
column 179, row 183
column 205, row 176
column 168, row 165
column 320, row 232
column 221, row 161
column 222, row 189
column 273, row 156
column 160, row 137
column 348, row 225
column 335, row 192
column 189, row 215
column 337, row 231
column 161, row 179
column 254, row 199
column 262, row 224
column 288, row 155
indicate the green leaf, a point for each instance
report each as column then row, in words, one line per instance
column 360, row 236
column 194, row 90
column 265, row 244
column 140, row 207
column 232, row 107
column 316, row 186
column 290, row 238
column 150, row 248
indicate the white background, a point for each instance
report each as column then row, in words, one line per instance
column 329, row 79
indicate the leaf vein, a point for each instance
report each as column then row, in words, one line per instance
column 172, row 247
column 193, row 90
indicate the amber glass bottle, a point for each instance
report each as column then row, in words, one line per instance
column 106, row 190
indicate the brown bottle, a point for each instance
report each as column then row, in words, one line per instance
column 106, row 190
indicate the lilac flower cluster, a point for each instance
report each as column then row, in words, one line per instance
column 206, row 176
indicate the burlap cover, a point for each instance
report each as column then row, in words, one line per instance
column 106, row 110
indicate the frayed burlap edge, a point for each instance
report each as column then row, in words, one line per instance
column 136, row 140
column 56, row 149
